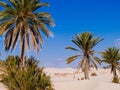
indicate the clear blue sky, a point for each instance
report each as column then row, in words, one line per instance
column 72, row 17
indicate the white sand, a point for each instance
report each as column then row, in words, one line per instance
column 63, row 80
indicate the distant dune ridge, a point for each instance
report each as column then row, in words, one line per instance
column 63, row 79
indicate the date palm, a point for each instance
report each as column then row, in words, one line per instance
column 111, row 56
column 21, row 19
column 85, row 43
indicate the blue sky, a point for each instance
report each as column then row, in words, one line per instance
column 102, row 17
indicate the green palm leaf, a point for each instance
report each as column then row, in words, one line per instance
column 94, row 64
column 71, row 59
column 98, row 60
column 71, row 48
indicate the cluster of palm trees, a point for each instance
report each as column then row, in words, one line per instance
column 20, row 19
column 85, row 43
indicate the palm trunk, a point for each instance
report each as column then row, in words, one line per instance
column 114, row 72
column 86, row 67
column 86, row 71
column 22, row 62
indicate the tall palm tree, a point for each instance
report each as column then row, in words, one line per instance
column 85, row 43
column 22, row 19
column 111, row 56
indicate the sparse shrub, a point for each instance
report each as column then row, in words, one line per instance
column 31, row 77
column 93, row 74
column 116, row 79
column 82, row 78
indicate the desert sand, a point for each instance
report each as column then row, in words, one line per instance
column 64, row 79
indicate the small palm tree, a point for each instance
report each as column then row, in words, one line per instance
column 85, row 43
column 30, row 78
column 21, row 19
column 111, row 56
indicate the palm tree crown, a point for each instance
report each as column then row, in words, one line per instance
column 19, row 19
column 85, row 43
column 112, row 57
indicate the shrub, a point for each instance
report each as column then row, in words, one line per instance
column 93, row 74
column 82, row 78
column 31, row 78
column 115, row 80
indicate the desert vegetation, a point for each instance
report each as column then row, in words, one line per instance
column 23, row 22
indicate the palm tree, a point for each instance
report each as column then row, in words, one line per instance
column 111, row 56
column 85, row 43
column 22, row 19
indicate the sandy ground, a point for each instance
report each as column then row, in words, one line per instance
column 63, row 79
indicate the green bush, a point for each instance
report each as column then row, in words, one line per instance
column 93, row 74
column 82, row 78
column 116, row 79
column 31, row 78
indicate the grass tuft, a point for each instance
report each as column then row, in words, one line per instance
column 93, row 74
column 116, row 79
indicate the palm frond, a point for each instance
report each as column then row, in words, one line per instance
column 107, row 67
column 72, row 58
column 39, row 5
column 98, row 60
column 94, row 64
column 71, row 48
column 95, row 41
